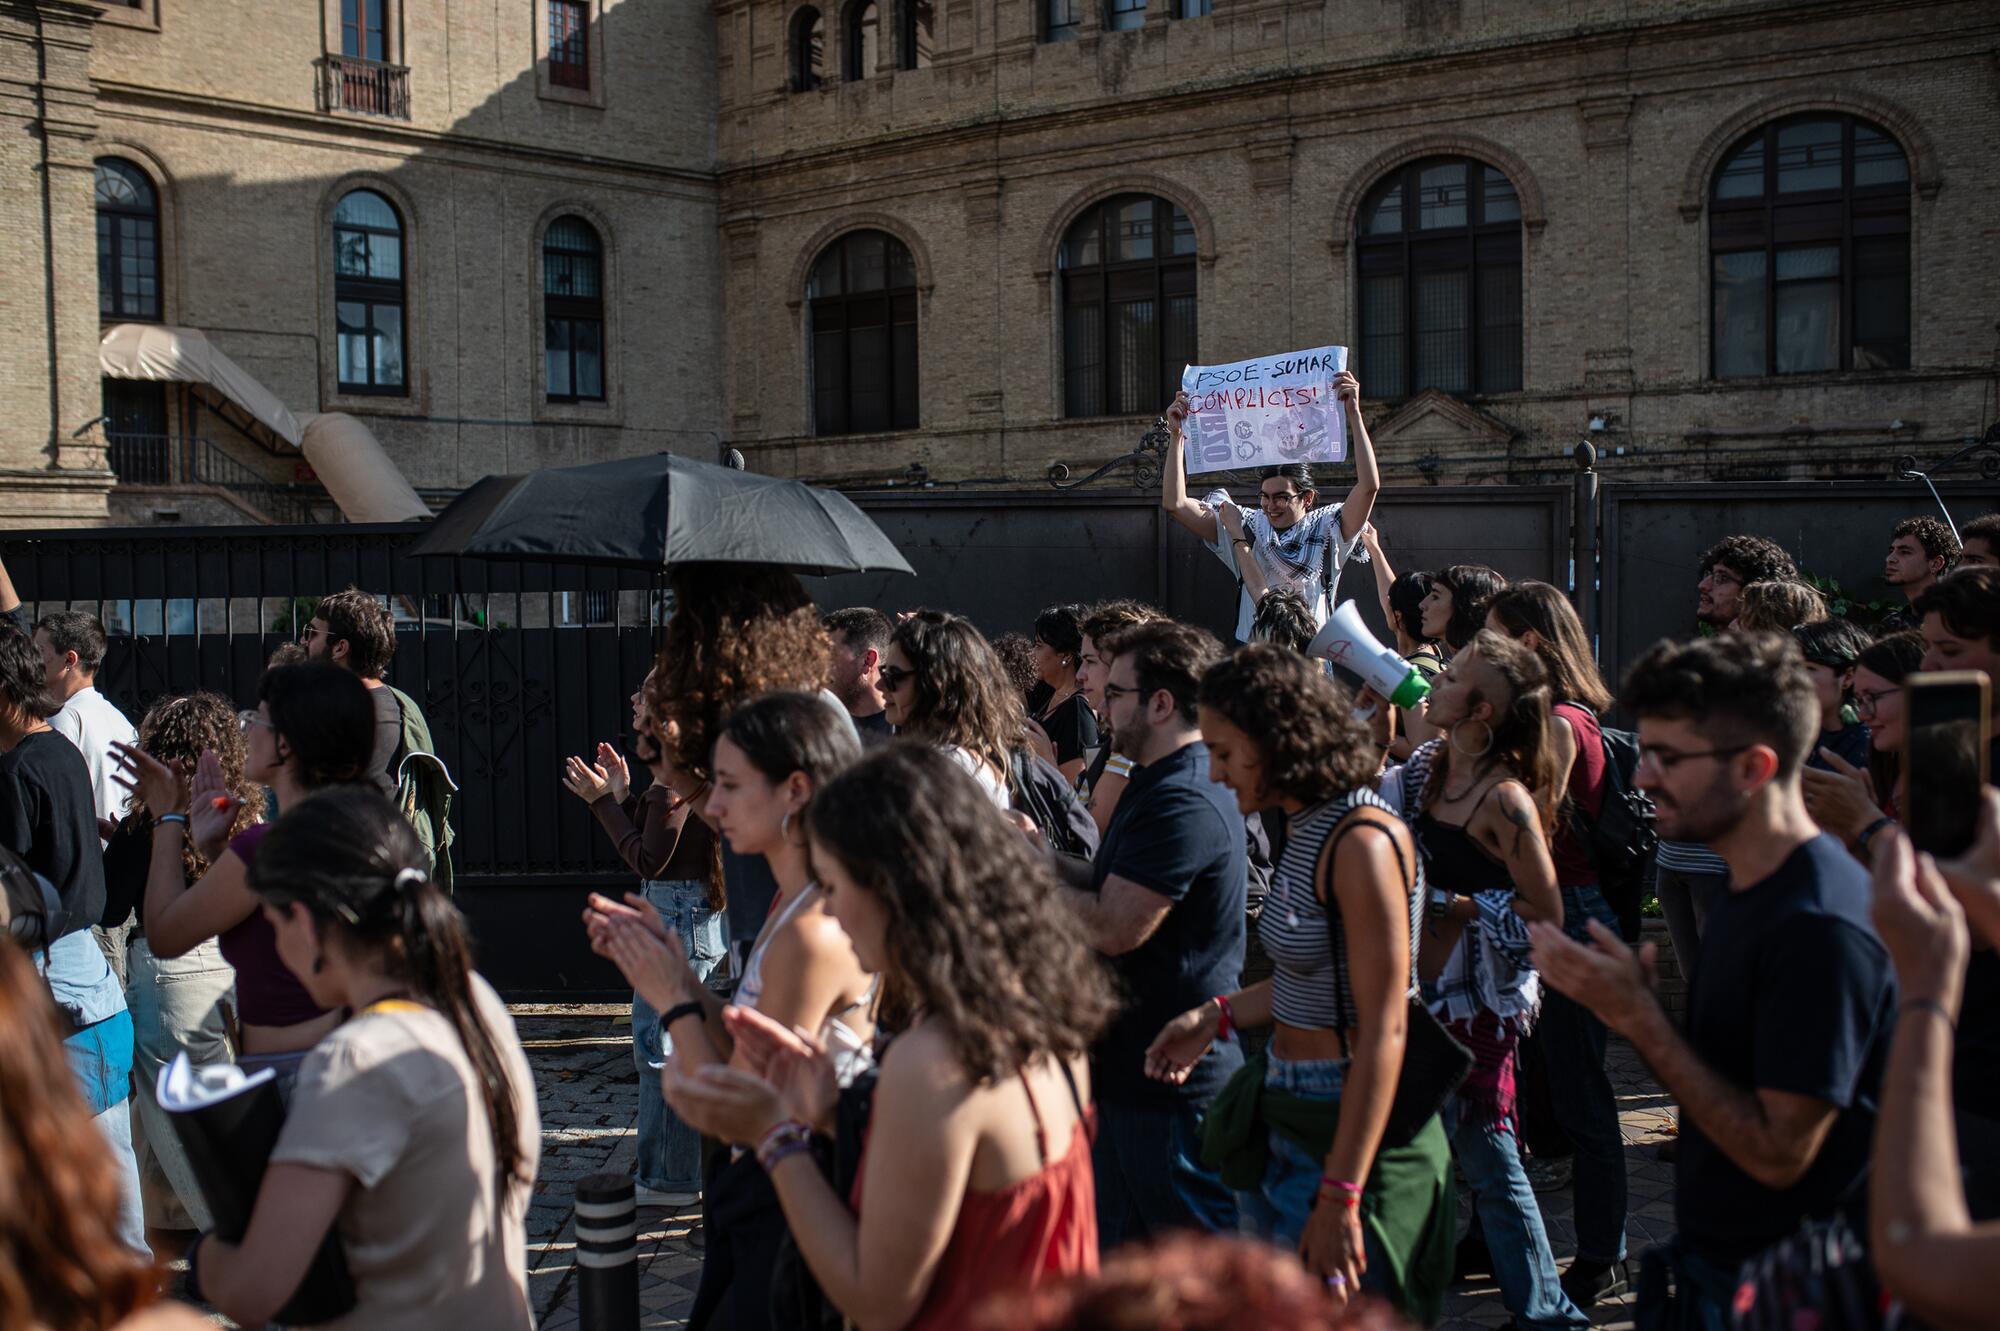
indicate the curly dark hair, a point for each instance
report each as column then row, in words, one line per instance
column 978, row 935
column 1836, row 644
column 1110, row 617
column 1732, row 686
column 1302, row 723
column 1472, row 588
column 1967, row 601
column 1017, row 657
column 1283, row 617
column 177, row 731
column 738, row 631
column 1562, row 644
column 1751, row 558
column 1934, row 536
column 365, row 625
column 1166, row 655
column 962, row 695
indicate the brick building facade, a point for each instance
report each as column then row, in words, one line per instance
column 1269, row 124
column 252, row 123
column 1736, row 237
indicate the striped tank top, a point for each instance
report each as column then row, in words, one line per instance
column 1310, row 987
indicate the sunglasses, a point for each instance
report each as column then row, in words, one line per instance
column 892, row 678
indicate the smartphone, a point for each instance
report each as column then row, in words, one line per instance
column 1949, row 720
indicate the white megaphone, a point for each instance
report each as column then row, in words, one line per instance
column 1346, row 642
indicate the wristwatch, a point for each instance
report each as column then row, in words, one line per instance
column 1440, row 904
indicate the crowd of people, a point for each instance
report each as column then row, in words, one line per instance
column 1098, row 975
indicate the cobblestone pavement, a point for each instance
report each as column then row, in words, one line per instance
column 582, row 1056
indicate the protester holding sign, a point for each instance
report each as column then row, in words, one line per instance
column 1288, row 542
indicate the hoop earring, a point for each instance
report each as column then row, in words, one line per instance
column 1451, row 737
column 785, row 828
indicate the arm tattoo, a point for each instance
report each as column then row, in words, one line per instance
column 1525, row 824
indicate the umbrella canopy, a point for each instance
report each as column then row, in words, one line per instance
column 656, row 511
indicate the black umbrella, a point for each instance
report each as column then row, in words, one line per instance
column 656, row 511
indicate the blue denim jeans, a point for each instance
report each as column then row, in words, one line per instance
column 1511, row 1219
column 1150, row 1179
column 1572, row 1042
column 669, row 1150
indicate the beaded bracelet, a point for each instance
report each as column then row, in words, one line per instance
column 787, row 1138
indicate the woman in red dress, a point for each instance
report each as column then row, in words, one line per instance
column 976, row 1177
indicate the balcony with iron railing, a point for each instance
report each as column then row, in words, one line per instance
column 356, row 86
column 161, row 459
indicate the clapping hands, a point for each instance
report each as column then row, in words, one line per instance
column 606, row 778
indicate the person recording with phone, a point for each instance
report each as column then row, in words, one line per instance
column 1286, row 542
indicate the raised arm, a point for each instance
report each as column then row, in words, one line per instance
column 1385, row 576
column 1367, row 475
column 1190, row 513
column 1254, row 582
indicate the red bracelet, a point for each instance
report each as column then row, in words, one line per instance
column 1346, row 1189
column 1227, row 1022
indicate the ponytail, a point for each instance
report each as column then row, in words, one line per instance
column 351, row 859
column 437, row 959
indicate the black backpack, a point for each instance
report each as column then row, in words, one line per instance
column 1622, row 841
column 1038, row 788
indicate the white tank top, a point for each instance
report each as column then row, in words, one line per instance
column 850, row 1051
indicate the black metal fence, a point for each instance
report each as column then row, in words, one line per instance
column 518, row 665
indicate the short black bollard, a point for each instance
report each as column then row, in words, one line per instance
column 607, row 1253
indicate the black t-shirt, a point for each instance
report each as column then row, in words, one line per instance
column 1179, row 834
column 1792, row 991
column 1849, row 744
column 1072, row 728
column 1975, row 1062
column 874, row 729
column 48, row 816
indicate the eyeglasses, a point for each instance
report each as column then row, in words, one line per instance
column 1666, row 760
column 892, row 678
column 311, row 632
column 1866, row 703
column 1114, row 691
column 1279, row 498
column 1718, row 574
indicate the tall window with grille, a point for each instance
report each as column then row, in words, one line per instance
column 1809, row 250
column 368, row 286
column 861, row 302
column 1128, row 298
column 1439, row 253
column 362, row 31
column 1062, row 20
column 573, row 311
column 128, row 242
column 569, row 43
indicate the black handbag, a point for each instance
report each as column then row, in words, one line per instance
column 1434, row 1064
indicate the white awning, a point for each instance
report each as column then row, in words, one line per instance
column 186, row 356
column 350, row 463
column 345, row 454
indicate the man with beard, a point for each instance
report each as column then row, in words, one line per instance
column 1690, row 876
column 1921, row 550
column 860, row 635
column 1792, row 999
column 1166, row 905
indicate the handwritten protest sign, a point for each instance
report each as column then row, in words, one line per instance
column 1265, row 412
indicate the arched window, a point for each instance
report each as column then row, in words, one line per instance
column 573, row 311
column 368, row 293
column 913, row 50
column 1809, row 250
column 862, row 302
column 128, row 242
column 1128, row 306
column 863, row 31
column 808, row 50
column 1440, row 258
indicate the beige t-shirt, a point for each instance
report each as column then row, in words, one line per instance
column 391, row 1099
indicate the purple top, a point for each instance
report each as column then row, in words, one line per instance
column 267, row 993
